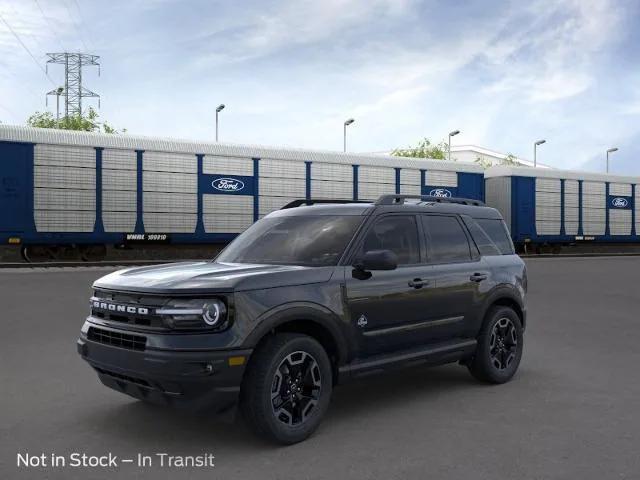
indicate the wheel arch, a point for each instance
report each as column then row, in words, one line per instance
column 310, row 319
column 506, row 297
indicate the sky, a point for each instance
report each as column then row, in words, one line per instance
column 291, row 71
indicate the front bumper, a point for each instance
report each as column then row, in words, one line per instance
column 190, row 379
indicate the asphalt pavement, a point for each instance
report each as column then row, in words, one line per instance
column 572, row 411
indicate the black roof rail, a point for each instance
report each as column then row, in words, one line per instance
column 399, row 199
column 316, row 201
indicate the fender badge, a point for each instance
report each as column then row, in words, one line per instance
column 362, row 321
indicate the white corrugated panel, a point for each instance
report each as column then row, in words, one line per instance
column 227, row 165
column 410, row 176
column 371, row 191
column 270, row 168
column 571, row 228
column 331, row 189
column 571, row 186
column 594, row 188
column 332, row 172
column 571, row 200
column 411, row 189
column 571, row 219
column 594, row 214
column 547, row 198
column 619, row 221
column 169, row 182
column 114, row 159
column 64, row 156
column 170, row 202
column 64, row 221
column 548, row 185
column 64, row 199
column 65, row 177
column 169, row 222
column 283, row 187
column 169, row 162
column 594, row 201
column 547, row 228
column 620, row 189
column 593, row 228
column 114, row 221
column 119, row 180
column 118, row 201
column 441, row 178
column 384, row 175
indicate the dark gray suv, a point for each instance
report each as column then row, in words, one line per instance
column 310, row 296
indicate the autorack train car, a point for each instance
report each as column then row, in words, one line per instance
column 559, row 207
column 85, row 190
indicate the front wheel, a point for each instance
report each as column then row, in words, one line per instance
column 499, row 347
column 287, row 388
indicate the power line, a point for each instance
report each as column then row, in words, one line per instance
column 83, row 23
column 46, row 19
column 75, row 25
column 27, row 49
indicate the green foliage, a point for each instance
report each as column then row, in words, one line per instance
column 86, row 123
column 424, row 149
column 509, row 160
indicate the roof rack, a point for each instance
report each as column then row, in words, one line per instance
column 316, row 201
column 400, row 199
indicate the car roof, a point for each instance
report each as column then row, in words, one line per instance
column 366, row 208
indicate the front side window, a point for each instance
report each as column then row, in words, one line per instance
column 446, row 239
column 396, row 233
column 317, row 240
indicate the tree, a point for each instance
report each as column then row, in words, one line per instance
column 424, row 149
column 509, row 160
column 86, row 123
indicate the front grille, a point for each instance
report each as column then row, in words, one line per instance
column 117, row 339
column 148, row 320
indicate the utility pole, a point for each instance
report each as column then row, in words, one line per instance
column 344, row 135
column 451, row 134
column 73, row 89
column 535, row 152
column 218, row 110
column 57, row 92
column 611, row 150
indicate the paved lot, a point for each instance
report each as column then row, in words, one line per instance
column 573, row 412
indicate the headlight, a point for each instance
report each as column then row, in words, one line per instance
column 194, row 314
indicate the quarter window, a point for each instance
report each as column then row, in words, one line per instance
column 398, row 234
column 446, row 240
column 496, row 230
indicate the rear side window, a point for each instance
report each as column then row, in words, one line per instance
column 496, row 230
column 446, row 239
column 398, row 234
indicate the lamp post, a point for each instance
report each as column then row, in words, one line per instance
column 218, row 110
column 535, row 152
column 344, row 137
column 451, row 134
column 611, row 150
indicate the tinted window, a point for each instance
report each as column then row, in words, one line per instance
column 314, row 241
column 396, row 233
column 484, row 243
column 446, row 239
column 496, row 230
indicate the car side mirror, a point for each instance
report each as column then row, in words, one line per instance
column 377, row 260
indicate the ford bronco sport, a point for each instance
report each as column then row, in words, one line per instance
column 310, row 296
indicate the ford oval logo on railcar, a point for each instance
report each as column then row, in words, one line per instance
column 227, row 184
column 440, row 192
column 620, row 202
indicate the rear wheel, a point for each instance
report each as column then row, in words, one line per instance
column 287, row 388
column 499, row 347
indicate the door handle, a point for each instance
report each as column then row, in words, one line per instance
column 418, row 283
column 478, row 277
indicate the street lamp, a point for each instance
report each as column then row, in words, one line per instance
column 611, row 150
column 218, row 110
column 451, row 134
column 535, row 152
column 346, row 123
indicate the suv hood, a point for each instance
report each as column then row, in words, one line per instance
column 210, row 277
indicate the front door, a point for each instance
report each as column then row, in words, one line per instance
column 387, row 306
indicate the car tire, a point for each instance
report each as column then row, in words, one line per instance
column 499, row 348
column 287, row 388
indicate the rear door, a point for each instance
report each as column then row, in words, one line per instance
column 458, row 270
column 15, row 161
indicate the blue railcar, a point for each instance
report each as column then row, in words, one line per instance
column 61, row 187
column 556, row 207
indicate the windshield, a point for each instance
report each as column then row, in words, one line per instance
column 315, row 241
